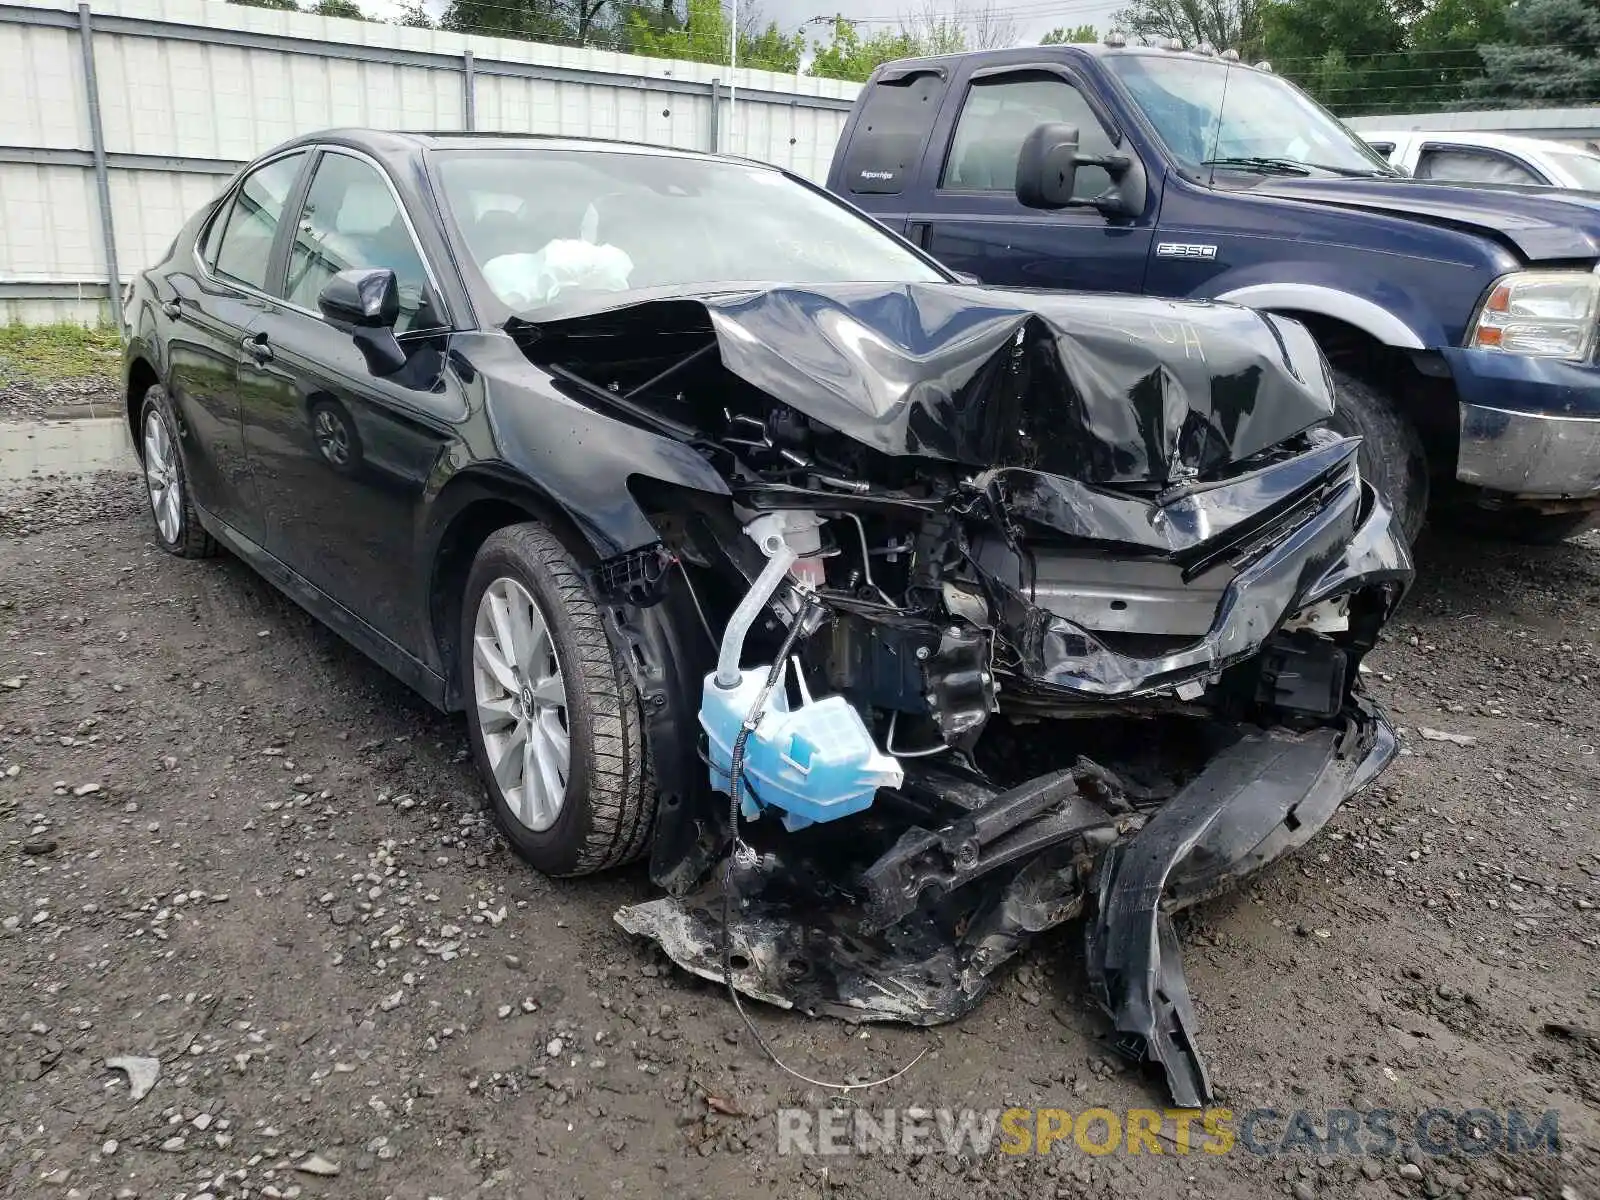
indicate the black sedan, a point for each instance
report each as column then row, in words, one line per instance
column 746, row 534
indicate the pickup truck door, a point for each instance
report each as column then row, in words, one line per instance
column 971, row 219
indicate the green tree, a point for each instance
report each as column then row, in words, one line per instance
column 1382, row 56
column 285, row 5
column 847, row 55
column 414, row 16
column 1225, row 24
column 530, row 20
column 339, row 8
column 1550, row 56
column 1061, row 35
column 703, row 36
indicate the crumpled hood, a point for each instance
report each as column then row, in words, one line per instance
column 1544, row 224
column 1101, row 388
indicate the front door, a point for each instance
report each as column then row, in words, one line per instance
column 341, row 456
column 977, row 225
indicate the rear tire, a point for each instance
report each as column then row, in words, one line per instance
column 1392, row 458
column 566, row 685
column 177, row 525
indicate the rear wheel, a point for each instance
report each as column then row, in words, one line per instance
column 552, row 713
column 178, row 528
column 1392, row 458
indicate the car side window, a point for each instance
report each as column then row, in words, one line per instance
column 997, row 116
column 1463, row 165
column 352, row 220
column 245, row 251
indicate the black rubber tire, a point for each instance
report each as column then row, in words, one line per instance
column 192, row 541
column 1524, row 527
column 609, row 811
column 1392, row 457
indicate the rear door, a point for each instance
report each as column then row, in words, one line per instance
column 887, row 141
column 973, row 221
column 206, row 321
column 341, row 456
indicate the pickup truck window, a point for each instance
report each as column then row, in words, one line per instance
column 997, row 117
column 1466, row 164
column 1208, row 109
column 891, row 132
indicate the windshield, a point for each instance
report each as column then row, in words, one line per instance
column 546, row 227
column 1208, row 110
column 1584, row 168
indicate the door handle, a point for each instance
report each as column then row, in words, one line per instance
column 258, row 348
column 173, row 309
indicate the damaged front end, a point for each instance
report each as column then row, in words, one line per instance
column 1019, row 606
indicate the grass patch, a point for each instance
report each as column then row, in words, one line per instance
column 51, row 352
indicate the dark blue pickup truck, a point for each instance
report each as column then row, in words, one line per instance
column 1460, row 320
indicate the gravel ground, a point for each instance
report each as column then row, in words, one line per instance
column 234, row 847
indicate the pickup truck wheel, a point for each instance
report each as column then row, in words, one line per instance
column 1392, row 457
column 555, row 723
column 1526, row 528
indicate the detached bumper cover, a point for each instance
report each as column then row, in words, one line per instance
column 1257, row 800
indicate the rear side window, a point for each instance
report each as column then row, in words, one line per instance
column 245, row 250
column 1462, row 165
column 891, row 133
column 997, row 117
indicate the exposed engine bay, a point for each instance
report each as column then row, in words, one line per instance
column 1017, row 607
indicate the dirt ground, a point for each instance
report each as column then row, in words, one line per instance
column 231, row 844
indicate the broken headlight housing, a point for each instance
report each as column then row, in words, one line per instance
column 1540, row 314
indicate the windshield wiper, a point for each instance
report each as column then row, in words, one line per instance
column 1261, row 163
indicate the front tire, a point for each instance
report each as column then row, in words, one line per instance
column 552, row 714
column 177, row 525
column 1392, row 458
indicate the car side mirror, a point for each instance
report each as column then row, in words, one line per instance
column 1047, row 172
column 365, row 303
column 1047, row 168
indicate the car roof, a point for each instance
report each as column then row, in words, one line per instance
column 387, row 142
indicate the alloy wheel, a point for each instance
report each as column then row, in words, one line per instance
column 161, row 477
column 521, row 699
column 333, row 438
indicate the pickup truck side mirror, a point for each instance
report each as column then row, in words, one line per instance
column 1047, row 171
column 365, row 303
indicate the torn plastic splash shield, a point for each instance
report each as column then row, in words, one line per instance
column 1255, row 801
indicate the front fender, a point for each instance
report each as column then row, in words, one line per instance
column 1383, row 310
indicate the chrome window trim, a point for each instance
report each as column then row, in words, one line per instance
column 227, row 202
column 411, row 231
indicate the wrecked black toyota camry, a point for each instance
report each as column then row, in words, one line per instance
column 895, row 619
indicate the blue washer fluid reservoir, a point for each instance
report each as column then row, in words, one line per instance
column 813, row 763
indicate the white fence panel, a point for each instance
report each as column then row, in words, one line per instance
column 189, row 89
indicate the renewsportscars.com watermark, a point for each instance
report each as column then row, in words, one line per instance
column 1347, row 1132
